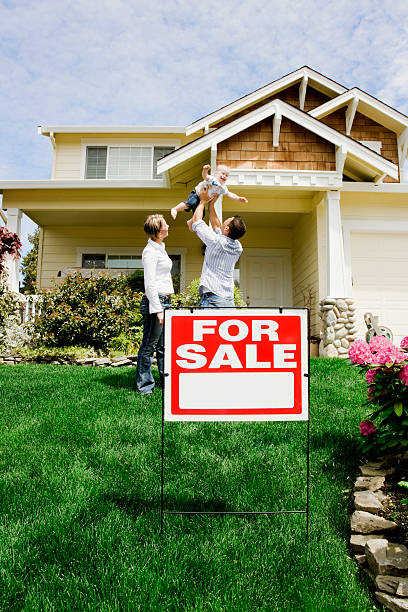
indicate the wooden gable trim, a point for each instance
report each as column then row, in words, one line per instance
column 392, row 119
column 303, row 75
column 368, row 157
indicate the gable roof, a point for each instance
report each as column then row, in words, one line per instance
column 317, row 80
column 368, row 105
column 350, row 147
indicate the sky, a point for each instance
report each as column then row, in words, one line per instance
column 169, row 62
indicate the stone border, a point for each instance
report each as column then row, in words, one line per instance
column 338, row 326
column 385, row 562
column 114, row 362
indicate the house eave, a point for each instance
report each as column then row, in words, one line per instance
column 46, row 130
column 315, row 79
column 352, row 147
column 82, row 184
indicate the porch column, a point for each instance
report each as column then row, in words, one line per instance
column 337, row 308
column 335, row 264
column 12, row 266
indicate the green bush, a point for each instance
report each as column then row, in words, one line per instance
column 50, row 353
column 88, row 312
column 190, row 297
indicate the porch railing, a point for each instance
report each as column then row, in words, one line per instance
column 30, row 307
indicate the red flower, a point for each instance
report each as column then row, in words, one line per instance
column 367, row 428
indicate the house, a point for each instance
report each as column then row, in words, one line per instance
column 321, row 166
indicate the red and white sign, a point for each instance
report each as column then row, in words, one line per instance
column 236, row 365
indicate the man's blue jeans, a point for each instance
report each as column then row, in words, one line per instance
column 210, row 300
column 152, row 341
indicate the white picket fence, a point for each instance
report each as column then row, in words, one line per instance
column 30, row 307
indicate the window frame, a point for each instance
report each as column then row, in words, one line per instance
column 125, row 142
column 96, row 250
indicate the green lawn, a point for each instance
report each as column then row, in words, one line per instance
column 80, row 459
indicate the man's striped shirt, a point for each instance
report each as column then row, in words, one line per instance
column 221, row 255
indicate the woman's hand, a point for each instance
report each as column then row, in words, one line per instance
column 160, row 316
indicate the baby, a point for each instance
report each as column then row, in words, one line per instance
column 215, row 185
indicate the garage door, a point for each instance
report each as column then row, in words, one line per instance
column 380, row 280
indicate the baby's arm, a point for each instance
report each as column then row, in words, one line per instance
column 234, row 196
column 205, row 172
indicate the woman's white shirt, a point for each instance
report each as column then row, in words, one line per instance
column 157, row 274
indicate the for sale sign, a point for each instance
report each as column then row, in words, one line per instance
column 236, row 365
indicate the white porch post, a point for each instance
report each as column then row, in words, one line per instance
column 337, row 310
column 335, row 263
column 12, row 266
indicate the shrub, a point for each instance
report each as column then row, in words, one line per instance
column 87, row 312
column 386, row 372
column 190, row 297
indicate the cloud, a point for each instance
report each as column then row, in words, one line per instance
column 132, row 62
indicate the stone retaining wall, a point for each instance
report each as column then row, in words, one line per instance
column 114, row 362
column 338, row 326
column 385, row 562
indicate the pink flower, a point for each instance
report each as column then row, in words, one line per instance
column 370, row 392
column 389, row 354
column 404, row 343
column 367, row 428
column 379, row 342
column 359, row 352
column 404, row 375
column 370, row 375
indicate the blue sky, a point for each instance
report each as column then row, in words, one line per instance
column 169, row 62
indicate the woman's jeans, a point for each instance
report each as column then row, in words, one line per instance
column 152, row 341
column 210, row 300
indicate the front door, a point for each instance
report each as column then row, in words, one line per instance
column 266, row 277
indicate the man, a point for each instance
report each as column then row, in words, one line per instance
column 222, row 253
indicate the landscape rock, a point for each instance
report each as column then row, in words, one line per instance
column 397, row 585
column 368, row 470
column 386, row 558
column 102, row 361
column 358, row 541
column 365, row 522
column 393, row 603
column 342, row 305
column 367, row 501
column 119, row 364
column 361, row 559
column 369, row 483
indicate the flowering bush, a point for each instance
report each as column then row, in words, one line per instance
column 404, row 344
column 386, row 373
column 88, row 312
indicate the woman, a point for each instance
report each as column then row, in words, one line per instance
column 158, row 288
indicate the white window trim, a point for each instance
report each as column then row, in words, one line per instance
column 359, row 226
column 124, row 142
column 182, row 251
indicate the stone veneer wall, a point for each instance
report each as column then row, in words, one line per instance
column 338, row 329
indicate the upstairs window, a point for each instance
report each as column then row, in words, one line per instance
column 130, row 162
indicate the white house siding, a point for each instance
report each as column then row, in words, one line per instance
column 305, row 266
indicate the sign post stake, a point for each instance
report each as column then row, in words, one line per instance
column 283, row 385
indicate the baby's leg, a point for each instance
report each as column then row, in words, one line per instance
column 190, row 224
column 176, row 209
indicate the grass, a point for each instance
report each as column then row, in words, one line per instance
column 80, row 458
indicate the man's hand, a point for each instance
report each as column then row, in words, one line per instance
column 205, row 197
column 242, row 199
column 206, row 167
column 160, row 316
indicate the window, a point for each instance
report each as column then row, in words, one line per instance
column 91, row 260
column 120, row 162
column 132, row 263
column 129, row 262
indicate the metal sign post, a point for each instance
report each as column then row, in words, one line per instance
column 216, row 358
